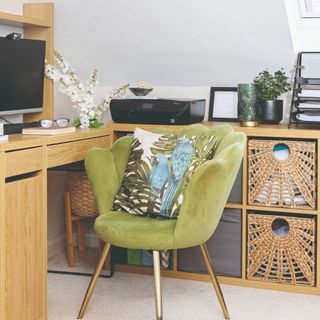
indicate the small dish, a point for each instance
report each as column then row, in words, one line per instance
column 140, row 91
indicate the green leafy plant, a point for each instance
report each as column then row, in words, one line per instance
column 271, row 86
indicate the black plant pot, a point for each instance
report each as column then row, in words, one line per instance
column 271, row 111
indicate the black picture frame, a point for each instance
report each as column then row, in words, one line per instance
column 216, row 117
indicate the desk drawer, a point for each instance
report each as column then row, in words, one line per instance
column 60, row 154
column 23, row 161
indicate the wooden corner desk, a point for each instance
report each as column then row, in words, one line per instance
column 24, row 161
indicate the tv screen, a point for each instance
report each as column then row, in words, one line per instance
column 21, row 75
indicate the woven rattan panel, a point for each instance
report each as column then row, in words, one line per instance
column 282, row 183
column 286, row 254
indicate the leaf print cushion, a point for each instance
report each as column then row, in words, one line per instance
column 159, row 168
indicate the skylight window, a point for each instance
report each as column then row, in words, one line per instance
column 309, row 8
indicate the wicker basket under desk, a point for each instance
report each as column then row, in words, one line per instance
column 82, row 200
column 80, row 209
column 288, row 257
column 281, row 183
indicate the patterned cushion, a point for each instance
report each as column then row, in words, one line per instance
column 159, row 169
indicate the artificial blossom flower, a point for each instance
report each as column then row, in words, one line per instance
column 82, row 96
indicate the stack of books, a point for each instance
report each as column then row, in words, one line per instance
column 48, row 131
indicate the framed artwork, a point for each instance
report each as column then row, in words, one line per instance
column 223, row 104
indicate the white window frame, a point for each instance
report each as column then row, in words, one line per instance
column 306, row 9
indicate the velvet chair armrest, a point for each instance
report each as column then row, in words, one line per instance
column 105, row 169
column 206, row 195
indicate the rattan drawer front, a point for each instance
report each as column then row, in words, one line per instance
column 288, row 182
column 282, row 249
column 23, row 161
column 69, row 152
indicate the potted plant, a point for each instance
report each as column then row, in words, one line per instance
column 271, row 87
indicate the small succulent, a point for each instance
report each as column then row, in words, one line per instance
column 271, row 86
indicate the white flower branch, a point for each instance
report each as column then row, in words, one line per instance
column 82, row 96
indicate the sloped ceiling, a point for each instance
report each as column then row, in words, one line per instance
column 174, row 42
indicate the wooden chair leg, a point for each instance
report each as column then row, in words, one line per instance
column 81, row 239
column 214, row 280
column 69, row 231
column 157, row 284
column 94, row 280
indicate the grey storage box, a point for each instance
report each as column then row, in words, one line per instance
column 236, row 191
column 224, row 248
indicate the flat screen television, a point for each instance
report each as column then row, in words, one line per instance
column 21, row 75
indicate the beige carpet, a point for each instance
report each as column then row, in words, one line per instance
column 130, row 297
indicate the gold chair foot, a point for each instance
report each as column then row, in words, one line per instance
column 214, row 280
column 94, row 279
column 157, row 284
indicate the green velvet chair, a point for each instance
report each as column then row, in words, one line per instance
column 204, row 201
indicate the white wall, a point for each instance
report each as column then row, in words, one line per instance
column 11, row 6
column 173, row 43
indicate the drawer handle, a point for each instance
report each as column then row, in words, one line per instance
column 281, row 151
column 280, row 227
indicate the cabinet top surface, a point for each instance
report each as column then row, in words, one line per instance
column 279, row 130
column 21, row 141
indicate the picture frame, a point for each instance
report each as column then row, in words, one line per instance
column 223, row 104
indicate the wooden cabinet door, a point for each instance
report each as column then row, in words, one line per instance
column 25, row 238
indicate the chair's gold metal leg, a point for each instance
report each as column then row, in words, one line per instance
column 94, row 280
column 214, row 280
column 157, row 284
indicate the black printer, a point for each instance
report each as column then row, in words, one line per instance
column 157, row 111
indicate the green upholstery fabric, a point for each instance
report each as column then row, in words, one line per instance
column 205, row 196
column 136, row 232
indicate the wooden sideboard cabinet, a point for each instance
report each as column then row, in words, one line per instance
column 304, row 252
column 24, row 161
